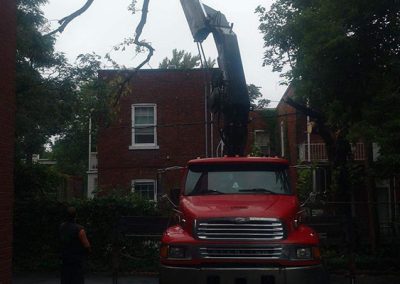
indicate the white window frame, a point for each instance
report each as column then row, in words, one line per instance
column 148, row 181
column 143, row 146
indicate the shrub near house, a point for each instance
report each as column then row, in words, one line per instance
column 36, row 232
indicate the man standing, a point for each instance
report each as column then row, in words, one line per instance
column 74, row 248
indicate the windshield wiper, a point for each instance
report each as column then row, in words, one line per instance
column 212, row 191
column 257, row 190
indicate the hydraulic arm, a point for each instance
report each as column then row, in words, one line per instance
column 229, row 97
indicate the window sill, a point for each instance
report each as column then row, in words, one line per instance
column 144, row 147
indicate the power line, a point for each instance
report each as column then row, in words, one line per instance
column 194, row 123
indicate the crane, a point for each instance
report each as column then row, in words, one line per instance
column 229, row 95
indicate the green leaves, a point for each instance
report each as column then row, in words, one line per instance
column 255, row 96
column 180, row 60
column 54, row 97
column 342, row 56
column 36, row 232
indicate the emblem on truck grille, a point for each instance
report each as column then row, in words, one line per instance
column 241, row 220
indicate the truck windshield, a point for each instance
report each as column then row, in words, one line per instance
column 237, row 179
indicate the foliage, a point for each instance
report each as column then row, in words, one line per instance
column 180, row 60
column 183, row 60
column 304, row 183
column 255, row 96
column 36, row 240
column 255, row 151
column 132, row 6
column 35, row 181
column 344, row 57
column 55, row 98
column 44, row 87
column 336, row 258
column 93, row 100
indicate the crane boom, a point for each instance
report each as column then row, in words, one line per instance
column 229, row 96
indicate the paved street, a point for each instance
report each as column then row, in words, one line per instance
column 106, row 279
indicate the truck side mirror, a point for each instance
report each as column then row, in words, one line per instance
column 174, row 195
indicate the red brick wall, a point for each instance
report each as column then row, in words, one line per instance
column 179, row 96
column 7, row 109
column 288, row 116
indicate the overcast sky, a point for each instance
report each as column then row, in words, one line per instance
column 108, row 22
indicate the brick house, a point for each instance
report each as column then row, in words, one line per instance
column 7, row 125
column 161, row 124
column 303, row 149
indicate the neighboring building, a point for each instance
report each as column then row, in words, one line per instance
column 36, row 159
column 161, row 124
column 304, row 149
column 7, row 125
column 301, row 146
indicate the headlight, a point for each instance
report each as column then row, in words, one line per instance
column 303, row 253
column 175, row 252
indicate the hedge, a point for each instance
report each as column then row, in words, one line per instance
column 36, row 236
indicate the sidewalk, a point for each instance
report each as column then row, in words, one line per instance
column 89, row 279
column 107, row 279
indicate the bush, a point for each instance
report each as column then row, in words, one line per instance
column 36, row 236
column 36, row 182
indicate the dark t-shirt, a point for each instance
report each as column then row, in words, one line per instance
column 72, row 250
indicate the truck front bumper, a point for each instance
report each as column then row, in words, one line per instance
column 287, row 275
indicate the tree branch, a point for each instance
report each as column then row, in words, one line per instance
column 138, row 42
column 322, row 129
column 138, row 33
column 66, row 20
column 303, row 109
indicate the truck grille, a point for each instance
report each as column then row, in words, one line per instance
column 239, row 229
column 258, row 252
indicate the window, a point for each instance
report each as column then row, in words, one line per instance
column 144, row 188
column 144, row 126
column 261, row 140
column 237, row 179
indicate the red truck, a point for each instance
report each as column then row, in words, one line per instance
column 240, row 222
column 239, row 218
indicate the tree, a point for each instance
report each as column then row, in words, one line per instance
column 184, row 60
column 255, row 97
column 95, row 99
column 44, row 85
column 343, row 56
column 180, row 60
column 52, row 95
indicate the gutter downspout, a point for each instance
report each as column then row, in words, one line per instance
column 282, row 140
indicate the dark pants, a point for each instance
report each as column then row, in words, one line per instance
column 72, row 273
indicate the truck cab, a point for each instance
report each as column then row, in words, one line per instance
column 239, row 222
